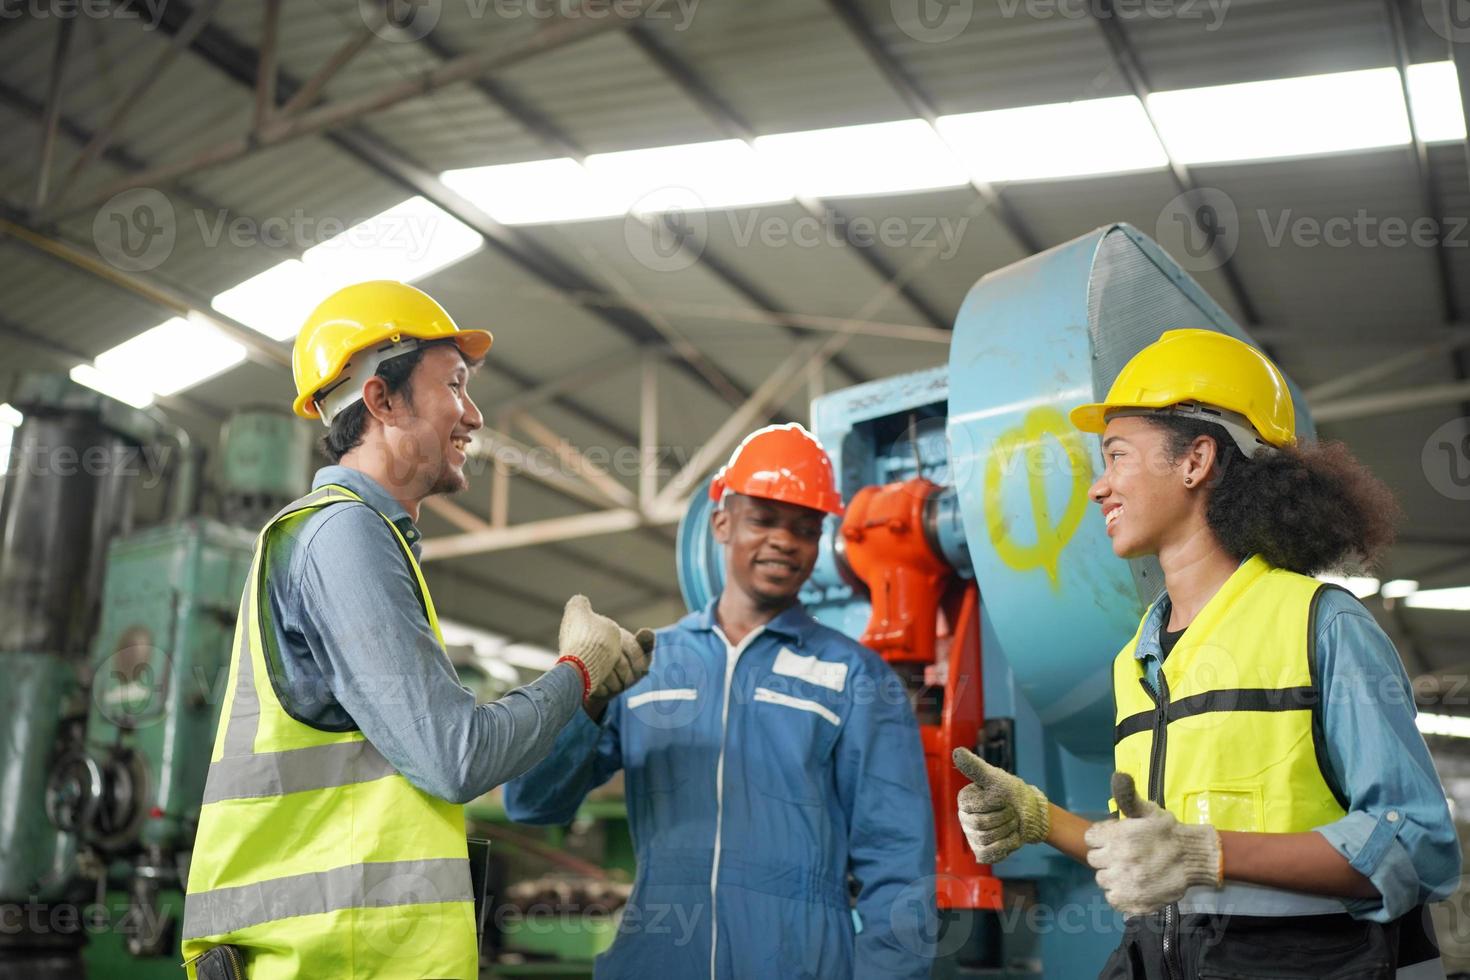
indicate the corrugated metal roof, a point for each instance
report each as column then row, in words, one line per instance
column 783, row 66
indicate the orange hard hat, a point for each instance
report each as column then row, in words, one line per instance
column 781, row 462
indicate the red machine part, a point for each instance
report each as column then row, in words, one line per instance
column 926, row 620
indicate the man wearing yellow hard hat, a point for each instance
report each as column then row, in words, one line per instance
column 331, row 839
column 1280, row 813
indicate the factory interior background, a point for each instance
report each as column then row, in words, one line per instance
column 682, row 220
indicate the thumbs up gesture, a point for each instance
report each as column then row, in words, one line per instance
column 1148, row 859
column 999, row 811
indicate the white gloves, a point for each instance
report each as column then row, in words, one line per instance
column 999, row 811
column 592, row 642
column 635, row 656
column 1147, row 860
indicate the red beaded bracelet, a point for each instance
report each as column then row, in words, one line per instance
column 582, row 669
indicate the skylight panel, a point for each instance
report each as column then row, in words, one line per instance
column 1455, row 598
column 276, row 301
column 170, row 357
column 1434, row 98
column 1065, row 139
column 409, row 241
column 123, row 389
column 881, row 158
column 1287, row 117
column 720, row 174
column 535, row 192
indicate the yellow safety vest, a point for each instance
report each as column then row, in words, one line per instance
column 314, row 855
column 1231, row 739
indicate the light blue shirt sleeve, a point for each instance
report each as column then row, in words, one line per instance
column 1398, row 832
column 356, row 605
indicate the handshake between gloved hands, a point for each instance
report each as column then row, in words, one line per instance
column 1144, row 861
column 609, row 657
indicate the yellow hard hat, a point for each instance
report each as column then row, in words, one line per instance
column 1205, row 374
column 379, row 319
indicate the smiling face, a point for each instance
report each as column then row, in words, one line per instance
column 770, row 547
column 435, row 424
column 1143, row 494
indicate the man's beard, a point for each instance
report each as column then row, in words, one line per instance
column 448, row 481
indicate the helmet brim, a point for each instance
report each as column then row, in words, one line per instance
column 473, row 343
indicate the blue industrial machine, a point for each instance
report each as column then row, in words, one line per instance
column 971, row 559
column 115, row 644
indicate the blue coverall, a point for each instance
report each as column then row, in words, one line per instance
column 758, row 778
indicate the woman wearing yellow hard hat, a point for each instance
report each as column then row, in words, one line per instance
column 1282, row 817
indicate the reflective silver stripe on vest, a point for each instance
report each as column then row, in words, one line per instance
column 245, row 708
column 295, row 771
column 381, row 885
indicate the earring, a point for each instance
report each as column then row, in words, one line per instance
column 1189, row 481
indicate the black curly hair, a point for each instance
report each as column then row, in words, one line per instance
column 1308, row 508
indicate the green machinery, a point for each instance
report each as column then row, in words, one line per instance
column 115, row 644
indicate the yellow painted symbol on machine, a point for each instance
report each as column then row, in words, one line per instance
column 1035, row 442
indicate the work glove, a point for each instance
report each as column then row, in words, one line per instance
column 631, row 665
column 999, row 811
column 1148, row 859
column 592, row 643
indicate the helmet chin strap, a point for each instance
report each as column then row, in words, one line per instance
column 1236, row 425
column 347, row 389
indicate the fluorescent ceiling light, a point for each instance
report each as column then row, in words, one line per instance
column 1434, row 98
column 120, row 388
column 276, row 301
column 1359, row 585
column 1454, row 726
column 1456, row 598
column 882, row 158
column 1286, row 117
column 10, row 419
column 536, row 192
column 409, row 241
column 1398, row 588
column 694, row 176
column 170, row 357
column 1066, row 139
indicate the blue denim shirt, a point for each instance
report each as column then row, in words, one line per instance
column 1398, row 832
column 351, row 647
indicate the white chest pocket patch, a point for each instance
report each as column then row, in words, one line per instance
column 824, row 673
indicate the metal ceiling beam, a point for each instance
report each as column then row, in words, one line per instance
column 532, row 533
column 1378, row 370
column 1128, row 65
column 238, row 61
column 134, row 97
column 727, row 118
column 561, row 142
column 1363, row 406
column 342, row 112
column 1429, row 201
column 52, row 116
column 75, row 131
column 466, row 520
column 265, row 76
column 1460, row 55
column 311, row 89
column 257, row 346
column 919, row 102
